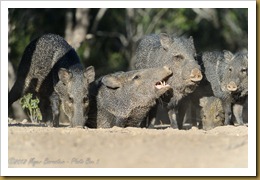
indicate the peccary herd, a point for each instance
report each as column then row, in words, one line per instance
column 168, row 74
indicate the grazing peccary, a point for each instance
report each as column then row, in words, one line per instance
column 51, row 70
column 228, row 77
column 124, row 98
column 212, row 112
column 178, row 54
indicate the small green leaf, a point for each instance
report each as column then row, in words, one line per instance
column 31, row 106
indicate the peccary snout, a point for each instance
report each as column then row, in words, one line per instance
column 79, row 118
column 195, row 75
column 232, row 86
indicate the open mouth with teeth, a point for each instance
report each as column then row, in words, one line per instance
column 162, row 84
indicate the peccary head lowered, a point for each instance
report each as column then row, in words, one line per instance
column 175, row 52
column 212, row 112
column 235, row 75
column 125, row 98
column 73, row 92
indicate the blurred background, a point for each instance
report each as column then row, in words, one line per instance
column 107, row 38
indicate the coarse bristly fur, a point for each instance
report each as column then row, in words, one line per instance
column 222, row 69
column 212, row 112
column 51, row 70
column 123, row 99
column 178, row 54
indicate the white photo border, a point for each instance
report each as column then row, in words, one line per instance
column 250, row 171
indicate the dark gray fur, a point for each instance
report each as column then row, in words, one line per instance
column 177, row 53
column 216, row 79
column 123, row 99
column 51, row 70
column 223, row 69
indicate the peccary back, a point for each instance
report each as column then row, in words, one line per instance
column 51, row 70
column 124, row 98
column 178, row 54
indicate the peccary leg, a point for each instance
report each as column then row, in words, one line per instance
column 55, row 105
column 181, row 113
column 151, row 118
column 143, row 123
column 238, row 113
column 45, row 110
column 120, row 122
column 195, row 113
column 16, row 92
column 186, row 107
column 173, row 118
column 194, row 109
column 245, row 112
column 228, row 112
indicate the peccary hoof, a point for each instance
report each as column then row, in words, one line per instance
column 174, row 126
column 240, row 124
column 49, row 124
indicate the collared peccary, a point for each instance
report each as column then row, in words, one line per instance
column 178, row 54
column 124, row 98
column 228, row 76
column 51, row 70
column 225, row 77
column 212, row 112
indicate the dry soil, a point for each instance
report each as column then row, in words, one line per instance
column 33, row 145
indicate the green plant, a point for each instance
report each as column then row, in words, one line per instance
column 30, row 105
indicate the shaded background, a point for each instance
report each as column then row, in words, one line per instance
column 107, row 38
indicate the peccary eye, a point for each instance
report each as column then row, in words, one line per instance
column 230, row 69
column 70, row 100
column 244, row 70
column 178, row 56
column 85, row 100
column 136, row 77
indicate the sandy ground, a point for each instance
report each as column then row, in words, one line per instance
column 31, row 145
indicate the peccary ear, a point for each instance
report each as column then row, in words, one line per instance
column 64, row 75
column 165, row 41
column 228, row 55
column 191, row 44
column 191, row 40
column 111, row 82
column 90, row 74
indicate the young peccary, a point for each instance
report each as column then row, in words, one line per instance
column 228, row 77
column 123, row 99
column 178, row 54
column 212, row 112
column 50, row 69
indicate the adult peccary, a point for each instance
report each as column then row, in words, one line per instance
column 228, row 76
column 178, row 54
column 225, row 77
column 124, row 98
column 51, row 70
column 212, row 112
